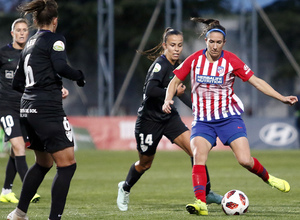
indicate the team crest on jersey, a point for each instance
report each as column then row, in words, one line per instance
column 220, row 70
column 59, row 46
column 157, row 68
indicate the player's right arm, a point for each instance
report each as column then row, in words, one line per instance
column 267, row 89
column 59, row 61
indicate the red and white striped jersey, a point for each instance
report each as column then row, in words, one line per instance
column 212, row 92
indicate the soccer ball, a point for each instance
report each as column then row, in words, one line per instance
column 235, row 202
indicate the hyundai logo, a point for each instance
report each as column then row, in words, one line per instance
column 278, row 134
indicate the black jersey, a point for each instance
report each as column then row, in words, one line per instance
column 151, row 108
column 43, row 62
column 9, row 58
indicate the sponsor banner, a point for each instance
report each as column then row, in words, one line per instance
column 117, row 133
column 275, row 133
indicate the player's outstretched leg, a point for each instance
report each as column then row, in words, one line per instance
column 279, row 184
column 273, row 181
column 198, row 208
column 123, row 197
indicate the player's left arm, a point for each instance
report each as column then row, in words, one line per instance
column 153, row 89
column 171, row 90
column 265, row 88
column 185, row 98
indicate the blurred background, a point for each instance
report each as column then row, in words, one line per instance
column 103, row 36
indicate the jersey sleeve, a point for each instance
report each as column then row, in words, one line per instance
column 240, row 69
column 153, row 89
column 158, row 72
column 184, row 68
column 18, row 82
column 59, row 60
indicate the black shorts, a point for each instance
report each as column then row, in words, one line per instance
column 149, row 133
column 47, row 126
column 10, row 122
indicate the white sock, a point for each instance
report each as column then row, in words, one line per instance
column 20, row 213
column 6, row 191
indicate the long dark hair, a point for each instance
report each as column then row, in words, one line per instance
column 158, row 50
column 209, row 25
column 43, row 11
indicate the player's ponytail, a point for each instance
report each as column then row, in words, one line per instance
column 43, row 11
column 158, row 50
column 210, row 25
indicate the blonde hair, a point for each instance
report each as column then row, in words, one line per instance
column 19, row 20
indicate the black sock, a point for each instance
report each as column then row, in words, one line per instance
column 21, row 166
column 132, row 177
column 10, row 173
column 60, row 189
column 192, row 161
column 208, row 186
column 31, row 183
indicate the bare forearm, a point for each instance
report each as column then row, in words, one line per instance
column 172, row 88
column 265, row 88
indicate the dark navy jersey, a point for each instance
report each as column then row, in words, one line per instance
column 43, row 63
column 161, row 71
column 9, row 58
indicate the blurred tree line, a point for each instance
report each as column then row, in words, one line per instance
column 78, row 23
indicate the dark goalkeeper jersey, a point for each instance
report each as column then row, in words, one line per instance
column 160, row 71
column 43, row 63
column 9, row 58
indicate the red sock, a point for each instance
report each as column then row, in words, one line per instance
column 199, row 182
column 259, row 170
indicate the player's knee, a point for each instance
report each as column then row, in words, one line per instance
column 144, row 167
column 245, row 162
column 18, row 150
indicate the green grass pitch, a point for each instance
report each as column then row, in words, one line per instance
column 166, row 188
